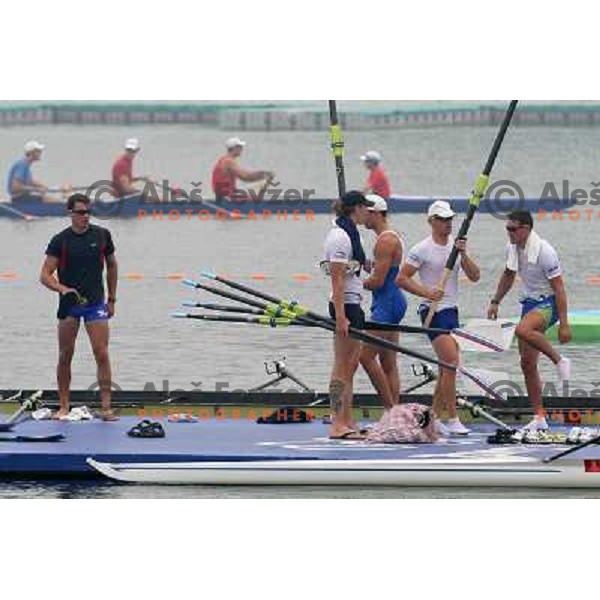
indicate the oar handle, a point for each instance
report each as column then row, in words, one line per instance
column 435, row 303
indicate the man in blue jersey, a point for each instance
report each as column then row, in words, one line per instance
column 389, row 302
column 20, row 183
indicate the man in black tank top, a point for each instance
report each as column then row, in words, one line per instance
column 78, row 255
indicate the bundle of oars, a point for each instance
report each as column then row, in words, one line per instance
column 258, row 307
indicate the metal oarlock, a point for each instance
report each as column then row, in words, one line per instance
column 279, row 368
column 28, row 405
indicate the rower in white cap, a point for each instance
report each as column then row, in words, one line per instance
column 428, row 258
column 122, row 170
column 227, row 171
column 377, row 182
column 20, row 182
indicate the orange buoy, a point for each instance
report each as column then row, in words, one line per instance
column 134, row 276
column 175, row 276
column 258, row 276
column 9, row 275
column 593, row 280
column 301, row 277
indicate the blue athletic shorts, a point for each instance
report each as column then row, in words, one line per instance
column 447, row 318
column 93, row 312
column 545, row 306
column 390, row 309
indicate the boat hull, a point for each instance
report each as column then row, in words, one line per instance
column 143, row 210
column 502, row 472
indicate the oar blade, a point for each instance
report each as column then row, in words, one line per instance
column 485, row 335
column 208, row 275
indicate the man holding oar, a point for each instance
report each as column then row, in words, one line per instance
column 227, row 171
column 20, row 181
column 346, row 258
column 389, row 302
column 122, row 171
column 78, row 254
column 543, row 300
column 428, row 258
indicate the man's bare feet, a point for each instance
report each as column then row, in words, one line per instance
column 108, row 415
column 61, row 412
column 345, row 434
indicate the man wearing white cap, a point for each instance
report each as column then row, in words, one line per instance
column 20, row 183
column 389, row 302
column 122, row 170
column 377, row 182
column 227, row 171
column 428, row 258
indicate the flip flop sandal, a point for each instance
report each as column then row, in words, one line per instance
column 502, row 436
column 350, row 435
column 146, row 429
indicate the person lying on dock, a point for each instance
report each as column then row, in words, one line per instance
column 78, row 254
column 21, row 183
column 227, row 171
column 377, row 181
column 544, row 302
column 122, row 171
column 428, row 258
column 389, row 302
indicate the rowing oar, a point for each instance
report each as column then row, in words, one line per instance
column 208, row 203
column 594, row 440
column 477, row 194
column 300, row 314
column 17, row 213
column 466, row 334
column 475, row 409
column 303, row 314
column 337, row 147
column 262, row 320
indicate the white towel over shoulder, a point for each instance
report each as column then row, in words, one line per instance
column 532, row 251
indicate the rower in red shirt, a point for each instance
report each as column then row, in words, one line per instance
column 122, row 171
column 377, row 182
column 227, row 171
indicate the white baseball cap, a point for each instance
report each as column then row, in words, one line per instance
column 132, row 144
column 379, row 204
column 234, row 142
column 371, row 156
column 440, row 208
column 33, row 145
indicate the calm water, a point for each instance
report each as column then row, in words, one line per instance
column 149, row 347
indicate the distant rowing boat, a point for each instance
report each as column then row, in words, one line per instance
column 137, row 207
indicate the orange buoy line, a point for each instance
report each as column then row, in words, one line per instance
column 8, row 275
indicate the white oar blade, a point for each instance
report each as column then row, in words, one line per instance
column 485, row 335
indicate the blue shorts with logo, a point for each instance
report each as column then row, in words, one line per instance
column 92, row 312
column 447, row 318
column 546, row 306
